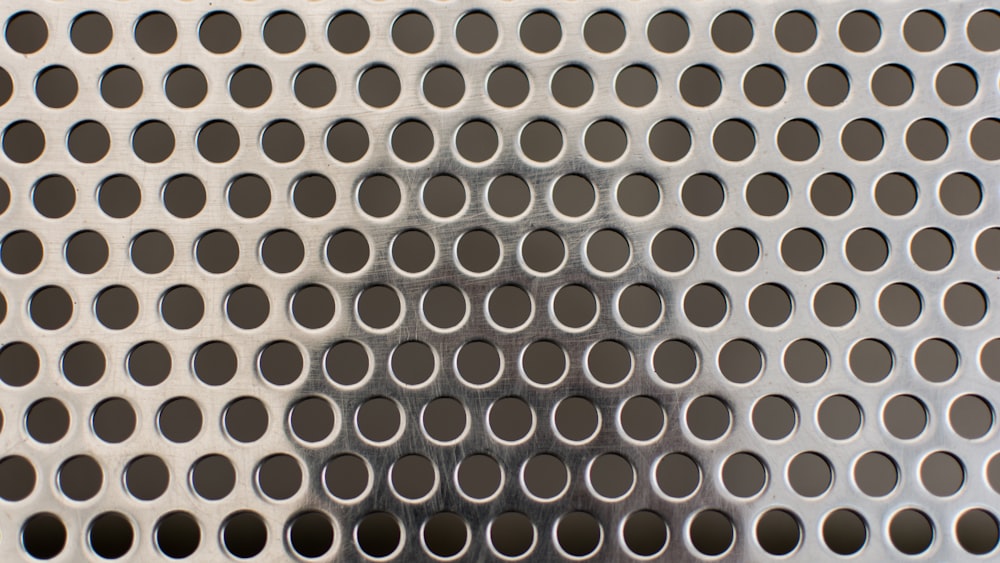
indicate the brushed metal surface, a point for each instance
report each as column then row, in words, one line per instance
column 620, row 275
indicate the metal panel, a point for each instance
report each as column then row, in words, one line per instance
column 765, row 215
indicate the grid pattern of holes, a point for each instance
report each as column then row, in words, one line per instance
column 628, row 302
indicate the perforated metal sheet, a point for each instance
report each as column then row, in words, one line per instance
column 591, row 281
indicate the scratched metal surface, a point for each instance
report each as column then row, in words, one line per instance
column 897, row 521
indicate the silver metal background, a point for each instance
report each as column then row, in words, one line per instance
column 314, row 123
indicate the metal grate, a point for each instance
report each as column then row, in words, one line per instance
column 498, row 281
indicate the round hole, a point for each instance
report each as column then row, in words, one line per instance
column 773, row 417
column 828, row 85
column 770, row 305
column 642, row 419
column 79, row 478
column 26, row 33
column 218, row 141
column 312, row 419
column 708, row 418
column 282, row 141
column 413, row 363
column 705, row 305
column 244, row 534
column 635, row 86
column 712, row 533
column 810, row 474
column 111, row 535
column 346, row 477
column 956, row 84
column 213, row 477
column 284, row 32
column 444, row 419
column 668, row 32
column 778, row 532
column 113, row 420
column 186, row 86
column 314, row 86
column 476, row 32
column 795, row 31
column 51, row 308
column 860, row 31
column 43, row 535
column 245, row 420
column 845, row 532
column 379, row 196
column 347, row 141
column 876, row 474
column 544, row 363
column 867, row 249
column 703, row 194
column 379, row 307
column 507, row 86
column 313, row 306
column 379, row 420
column 764, row 85
column 573, row 195
column 798, row 140
column 540, row 32
column 740, row 361
column 575, row 306
column 443, row 86
column 965, row 304
column 862, row 139
column 413, row 477
column 146, row 477
column 179, row 420
column 677, row 475
column 576, row 419
column 311, row 534
column 219, row 32
column 445, row 535
column 572, row 86
column 379, row 535
column 479, row 477
column 911, row 531
column 148, row 363
column 892, row 85
column 732, row 31
column 579, row 534
column 215, row 363
column 56, row 86
column 672, row 250
column 839, row 417
column 412, row 32
column 700, row 85
column 412, row 141
column 734, row 140
column 835, row 305
column 348, row 32
column 347, row 363
column 923, row 31
column 279, row 477
column 977, row 531
column 905, row 417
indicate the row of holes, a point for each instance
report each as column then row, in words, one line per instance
column 544, row 477
column 507, row 196
column 512, row 535
column 476, row 141
column 509, row 308
column 476, row 32
column 446, row 421
column 507, row 86
column 544, row 363
column 544, row 252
